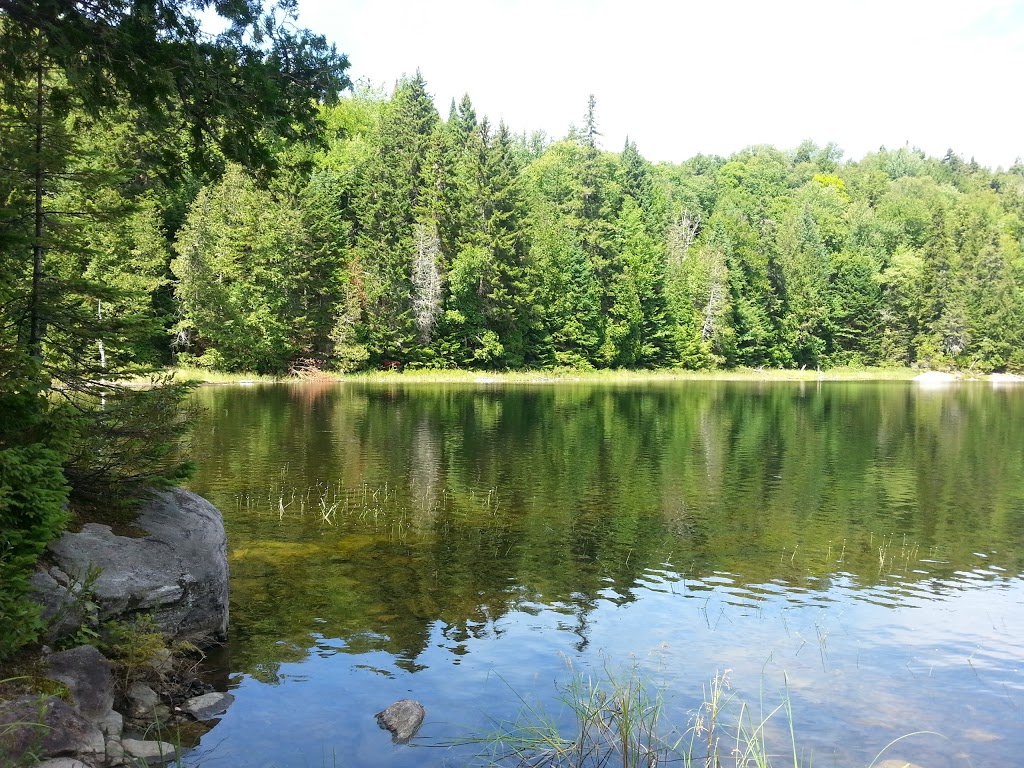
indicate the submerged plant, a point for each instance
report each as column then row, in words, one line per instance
column 616, row 721
column 620, row 720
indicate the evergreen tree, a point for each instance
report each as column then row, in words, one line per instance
column 394, row 203
column 243, row 280
column 58, row 62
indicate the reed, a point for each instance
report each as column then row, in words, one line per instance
column 619, row 719
column 616, row 721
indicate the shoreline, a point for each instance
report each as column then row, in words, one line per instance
column 558, row 376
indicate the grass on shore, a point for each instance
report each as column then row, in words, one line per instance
column 557, row 375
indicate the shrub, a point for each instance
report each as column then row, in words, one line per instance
column 33, row 502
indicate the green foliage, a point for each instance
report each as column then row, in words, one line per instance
column 422, row 242
column 103, row 107
column 133, row 442
column 133, row 645
column 33, row 498
column 261, row 71
column 240, row 275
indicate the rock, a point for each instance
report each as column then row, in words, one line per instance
column 63, row 611
column 208, row 706
column 162, row 661
column 47, row 727
column 999, row 379
column 403, row 719
column 142, row 701
column 86, row 673
column 115, row 753
column 935, row 377
column 113, row 725
column 149, row 752
column 178, row 573
column 63, row 762
column 896, row 764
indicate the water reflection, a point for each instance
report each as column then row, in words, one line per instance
column 862, row 540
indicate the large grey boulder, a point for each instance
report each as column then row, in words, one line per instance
column 178, row 572
column 65, row 608
column 46, row 727
column 86, row 673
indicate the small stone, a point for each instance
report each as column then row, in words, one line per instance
column 209, row 705
column 403, row 719
column 115, row 753
column 162, row 661
column 63, row 762
column 113, row 725
column 150, row 752
column 59, row 576
column 896, row 764
column 143, row 701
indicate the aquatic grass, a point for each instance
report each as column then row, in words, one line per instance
column 616, row 721
column 383, row 506
column 895, row 555
column 888, row 553
column 619, row 720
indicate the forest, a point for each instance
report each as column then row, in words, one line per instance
column 230, row 201
column 389, row 236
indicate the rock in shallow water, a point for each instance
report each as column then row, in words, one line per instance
column 403, row 719
column 149, row 752
column 208, row 705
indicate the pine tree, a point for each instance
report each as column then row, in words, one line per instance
column 59, row 60
column 394, row 199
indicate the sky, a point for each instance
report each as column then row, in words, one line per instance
column 680, row 77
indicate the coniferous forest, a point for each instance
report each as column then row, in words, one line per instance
column 403, row 237
column 386, row 234
column 228, row 201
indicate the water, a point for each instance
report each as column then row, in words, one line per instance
column 855, row 548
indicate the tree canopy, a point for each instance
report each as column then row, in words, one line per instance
column 112, row 116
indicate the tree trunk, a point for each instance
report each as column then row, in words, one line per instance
column 36, row 321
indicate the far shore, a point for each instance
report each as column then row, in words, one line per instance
column 562, row 375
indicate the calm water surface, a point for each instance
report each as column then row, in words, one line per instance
column 859, row 545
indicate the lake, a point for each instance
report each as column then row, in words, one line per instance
column 852, row 549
